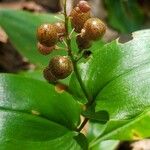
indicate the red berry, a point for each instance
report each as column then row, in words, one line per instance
column 44, row 49
column 84, row 6
column 47, row 35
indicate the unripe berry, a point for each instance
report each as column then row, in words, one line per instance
column 60, row 66
column 94, row 29
column 84, row 6
column 48, row 75
column 83, row 43
column 78, row 19
column 44, row 49
column 47, row 35
column 60, row 28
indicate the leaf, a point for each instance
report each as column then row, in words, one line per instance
column 125, row 16
column 21, row 28
column 112, row 62
column 127, row 95
column 82, row 140
column 34, row 116
column 94, row 130
column 108, row 144
column 117, row 76
column 33, row 74
column 133, row 129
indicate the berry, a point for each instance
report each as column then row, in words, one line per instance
column 47, row 35
column 83, row 43
column 93, row 29
column 78, row 19
column 60, row 66
column 84, row 6
column 60, row 28
column 48, row 75
column 44, row 49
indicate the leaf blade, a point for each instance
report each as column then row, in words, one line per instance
column 21, row 27
column 30, row 119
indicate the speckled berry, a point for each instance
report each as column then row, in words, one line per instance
column 60, row 28
column 84, row 6
column 94, row 29
column 78, row 19
column 60, row 66
column 48, row 75
column 83, row 43
column 44, row 50
column 47, row 35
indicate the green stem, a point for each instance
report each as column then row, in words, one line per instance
column 68, row 41
column 76, row 71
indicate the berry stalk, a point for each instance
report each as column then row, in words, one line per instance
column 68, row 41
column 74, row 62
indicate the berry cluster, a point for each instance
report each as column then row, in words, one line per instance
column 60, row 66
column 89, row 29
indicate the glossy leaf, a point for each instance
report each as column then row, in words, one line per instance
column 127, row 95
column 21, row 27
column 111, row 61
column 125, row 16
column 117, row 76
column 108, row 144
column 94, row 130
column 35, row 116
column 133, row 129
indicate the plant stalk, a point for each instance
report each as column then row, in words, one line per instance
column 76, row 71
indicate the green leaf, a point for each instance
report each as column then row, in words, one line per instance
column 127, row 95
column 117, row 76
column 125, row 16
column 82, row 140
column 133, row 129
column 21, row 28
column 108, row 144
column 101, row 116
column 94, row 130
column 116, row 61
column 33, row 74
column 35, row 116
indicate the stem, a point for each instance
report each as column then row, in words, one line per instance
column 83, row 124
column 68, row 41
column 76, row 71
